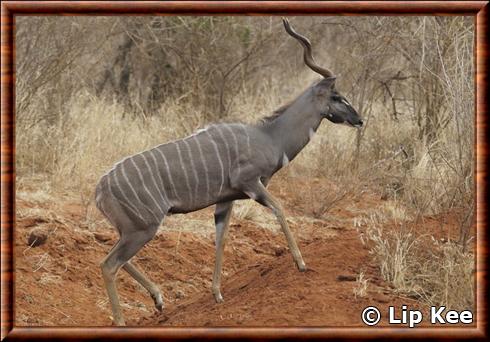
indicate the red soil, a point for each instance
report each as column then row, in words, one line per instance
column 59, row 282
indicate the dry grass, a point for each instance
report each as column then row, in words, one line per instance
column 361, row 286
column 433, row 271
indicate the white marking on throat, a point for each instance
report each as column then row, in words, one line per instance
column 285, row 160
column 311, row 133
column 252, row 195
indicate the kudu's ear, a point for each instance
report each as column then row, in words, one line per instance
column 325, row 86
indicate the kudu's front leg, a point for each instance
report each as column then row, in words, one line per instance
column 259, row 193
column 222, row 216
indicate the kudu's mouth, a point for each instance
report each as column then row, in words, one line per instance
column 357, row 125
column 355, row 121
column 340, row 120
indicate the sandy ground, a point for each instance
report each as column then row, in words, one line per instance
column 59, row 283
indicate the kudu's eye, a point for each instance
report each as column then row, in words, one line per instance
column 336, row 98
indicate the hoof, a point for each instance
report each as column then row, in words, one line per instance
column 301, row 266
column 119, row 322
column 158, row 300
column 218, row 298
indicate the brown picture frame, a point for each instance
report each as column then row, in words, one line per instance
column 10, row 9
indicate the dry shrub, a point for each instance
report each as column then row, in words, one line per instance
column 436, row 272
column 447, row 276
column 432, row 185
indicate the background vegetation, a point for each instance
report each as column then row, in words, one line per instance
column 91, row 90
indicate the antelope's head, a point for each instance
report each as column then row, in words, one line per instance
column 327, row 100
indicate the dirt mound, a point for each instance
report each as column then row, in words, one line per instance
column 59, row 281
column 275, row 293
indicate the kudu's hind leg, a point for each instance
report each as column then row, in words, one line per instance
column 127, row 246
column 153, row 289
column 133, row 236
column 260, row 194
column 222, row 216
column 109, row 274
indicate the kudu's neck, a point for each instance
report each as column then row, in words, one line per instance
column 293, row 129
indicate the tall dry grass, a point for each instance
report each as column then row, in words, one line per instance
column 437, row 272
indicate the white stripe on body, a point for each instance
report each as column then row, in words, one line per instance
column 162, row 183
column 203, row 161
column 236, row 147
column 140, row 175
column 226, row 146
column 142, row 179
column 220, row 162
column 159, row 189
column 167, row 168
column 128, row 205
column 135, row 193
column 184, row 171
column 249, row 150
column 193, row 166
column 119, row 163
column 202, row 130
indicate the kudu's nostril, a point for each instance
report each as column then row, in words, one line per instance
column 361, row 122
